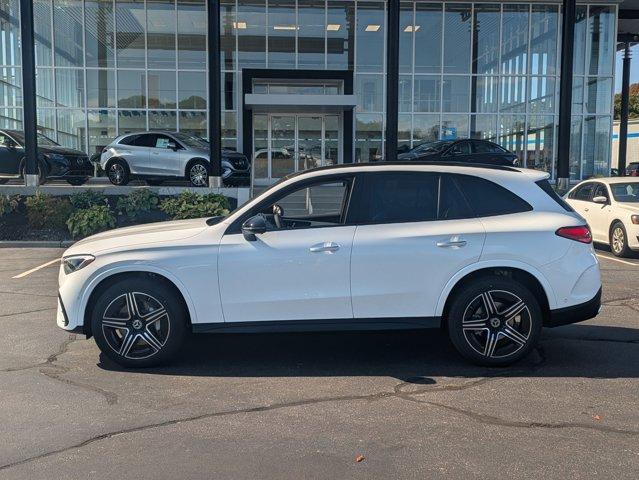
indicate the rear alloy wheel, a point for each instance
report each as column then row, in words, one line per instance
column 198, row 174
column 494, row 322
column 138, row 323
column 618, row 240
column 118, row 172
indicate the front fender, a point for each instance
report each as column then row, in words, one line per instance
column 110, row 270
column 550, row 294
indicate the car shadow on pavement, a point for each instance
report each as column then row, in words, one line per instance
column 591, row 351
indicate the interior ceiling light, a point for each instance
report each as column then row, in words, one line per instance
column 411, row 28
column 373, row 28
column 285, row 27
column 333, row 27
column 239, row 25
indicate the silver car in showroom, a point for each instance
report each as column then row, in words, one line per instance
column 159, row 156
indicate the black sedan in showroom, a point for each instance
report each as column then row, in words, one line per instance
column 475, row 151
column 54, row 161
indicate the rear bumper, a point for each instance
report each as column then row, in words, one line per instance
column 575, row 313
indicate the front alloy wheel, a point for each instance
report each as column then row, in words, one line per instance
column 138, row 322
column 136, row 325
column 494, row 321
column 199, row 175
column 618, row 242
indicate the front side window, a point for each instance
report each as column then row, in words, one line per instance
column 583, row 193
column 488, row 199
column 600, row 191
column 315, row 205
column 162, row 141
column 461, row 148
column 396, row 197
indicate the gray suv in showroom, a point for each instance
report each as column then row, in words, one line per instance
column 158, row 156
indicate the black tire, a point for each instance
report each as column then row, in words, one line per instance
column 491, row 335
column 154, row 182
column 152, row 335
column 76, row 181
column 618, row 239
column 118, row 172
column 198, row 173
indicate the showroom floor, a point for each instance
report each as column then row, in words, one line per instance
column 308, row 405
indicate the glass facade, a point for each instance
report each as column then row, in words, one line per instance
column 480, row 70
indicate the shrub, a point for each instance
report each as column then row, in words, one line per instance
column 89, row 221
column 87, row 199
column 45, row 211
column 193, row 205
column 138, row 201
column 8, row 204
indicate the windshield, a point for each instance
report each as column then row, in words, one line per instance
column 191, row 140
column 431, row 147
column 43, row 140
column 625, row 192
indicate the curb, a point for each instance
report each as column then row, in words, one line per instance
column 36, row 243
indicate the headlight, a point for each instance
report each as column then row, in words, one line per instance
column 76, row 262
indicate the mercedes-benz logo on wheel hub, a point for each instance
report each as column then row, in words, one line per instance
column 495, row 322
column 137, row 324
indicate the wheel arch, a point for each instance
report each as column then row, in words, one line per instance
column 108, row 278
column 612, row 224
column 196, row 159
column 115, row 158
column 524, row 274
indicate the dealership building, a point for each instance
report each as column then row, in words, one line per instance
column 305, row 83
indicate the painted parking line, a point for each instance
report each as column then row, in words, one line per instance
column 614, row 259
column 35, row 269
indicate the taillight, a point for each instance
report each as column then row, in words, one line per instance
column 579, row 234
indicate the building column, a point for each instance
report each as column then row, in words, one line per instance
column 29, row 115
column 625, row 103
column 215, row 103
column 565, row 94
column 392, row 80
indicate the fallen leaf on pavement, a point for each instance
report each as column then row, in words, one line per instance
column 596, row 417
column 359, row 458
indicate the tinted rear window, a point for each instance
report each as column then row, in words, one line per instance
column 547, row 187
column 488, row 199
column 397, row 197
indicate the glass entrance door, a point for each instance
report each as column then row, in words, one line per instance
column 287, row 143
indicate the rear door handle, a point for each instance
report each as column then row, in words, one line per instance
column 452, row 243
column 326, row 247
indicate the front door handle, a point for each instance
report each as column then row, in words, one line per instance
column 454, row 242
column 327, row 247
column 586, row 209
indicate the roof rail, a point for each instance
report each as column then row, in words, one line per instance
column 405, row 163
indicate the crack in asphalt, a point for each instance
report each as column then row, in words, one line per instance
column 501, row 422
column 54, row 372
column 25, row 313
column 29, row 294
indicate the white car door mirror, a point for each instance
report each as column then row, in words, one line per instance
column 600, row 199
column 254, row 226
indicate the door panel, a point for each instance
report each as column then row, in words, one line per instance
column 600, row 216
column 164, row 161
column 278, row 277
column 399, row 270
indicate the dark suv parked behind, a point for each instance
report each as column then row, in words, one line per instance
column 476, row 151
column 54, row 161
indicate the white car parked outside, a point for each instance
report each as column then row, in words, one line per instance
column 491, row 253
column 611, row 208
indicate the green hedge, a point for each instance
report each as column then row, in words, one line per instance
column 90, row 212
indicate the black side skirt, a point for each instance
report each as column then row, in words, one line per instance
column 338, row 325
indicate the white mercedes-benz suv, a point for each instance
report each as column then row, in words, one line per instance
column 490, row 253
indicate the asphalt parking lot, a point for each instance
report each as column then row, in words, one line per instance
column 306, row 405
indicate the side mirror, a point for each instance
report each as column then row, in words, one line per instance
column 600, row 199
column 254, row 226
column 9, row 143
